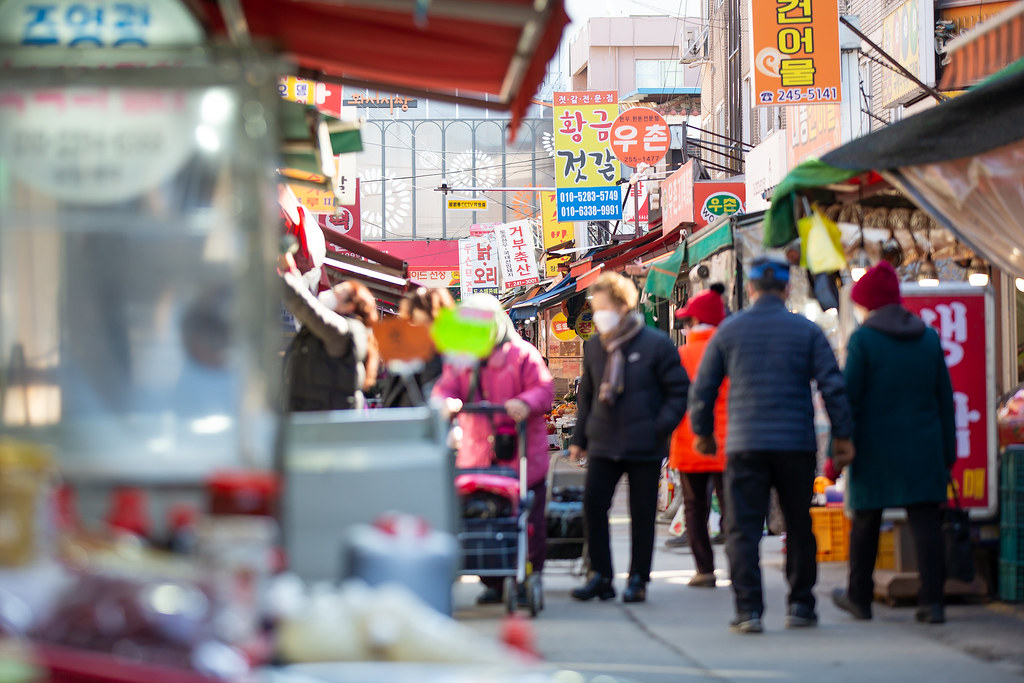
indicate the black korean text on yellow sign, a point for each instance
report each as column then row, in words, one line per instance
column 467, row 204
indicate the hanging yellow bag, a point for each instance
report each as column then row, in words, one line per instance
column 821, row 245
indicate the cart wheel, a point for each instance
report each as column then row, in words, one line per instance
column 534, row 594
column 510, row 594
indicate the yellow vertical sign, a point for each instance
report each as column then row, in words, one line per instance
column 585, row 166
column 555, row 233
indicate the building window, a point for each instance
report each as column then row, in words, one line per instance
column 660, row 74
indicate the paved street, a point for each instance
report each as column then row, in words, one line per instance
column 681, row 633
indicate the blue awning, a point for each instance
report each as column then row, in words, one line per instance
column 529, row 308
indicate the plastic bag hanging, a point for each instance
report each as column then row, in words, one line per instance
column 821, row 242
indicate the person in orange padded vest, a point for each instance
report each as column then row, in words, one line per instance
column 702, row 315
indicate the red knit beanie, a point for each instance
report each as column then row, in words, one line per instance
column 879, row 287
column 706, row 307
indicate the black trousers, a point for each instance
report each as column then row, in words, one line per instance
column 697, row 511
column 749, row 479
column 926, row 528
column 603, row 476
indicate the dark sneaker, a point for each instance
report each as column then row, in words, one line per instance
column 490, row 596
column 718, row 539
column 678, row 541
column 842, row 600
column 746, row 623
column 801, row 616
column 598, row 587
column 931, row 614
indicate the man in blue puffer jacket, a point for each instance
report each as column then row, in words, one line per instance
column 770, row 356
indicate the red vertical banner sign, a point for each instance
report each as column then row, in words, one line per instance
column 962, row 315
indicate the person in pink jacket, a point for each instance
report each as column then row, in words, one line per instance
column 515, row 376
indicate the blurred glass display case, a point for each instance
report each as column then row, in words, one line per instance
column 139, row 316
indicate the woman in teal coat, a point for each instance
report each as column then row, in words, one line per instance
column 905, row 440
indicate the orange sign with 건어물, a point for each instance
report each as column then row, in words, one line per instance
column 796, row 52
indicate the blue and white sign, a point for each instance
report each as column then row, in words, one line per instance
column 590, row 204
column 98, row 23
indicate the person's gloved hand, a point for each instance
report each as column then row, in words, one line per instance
column 842, row 453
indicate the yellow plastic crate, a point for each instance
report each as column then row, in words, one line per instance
column 832, row 531
column 886, row 550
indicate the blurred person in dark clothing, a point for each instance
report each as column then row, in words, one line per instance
column 333, row 359
column 905, row 436
column 771, row 357
column 631, row 397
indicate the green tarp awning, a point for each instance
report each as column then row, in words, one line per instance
column 661, row 278
column 710, row 240
column 988, row 116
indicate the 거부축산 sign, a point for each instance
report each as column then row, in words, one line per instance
column 796, row 51
column 586, row 169
column 467, row 204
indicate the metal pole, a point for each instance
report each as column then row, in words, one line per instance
column 899, row 67
column 636, row 208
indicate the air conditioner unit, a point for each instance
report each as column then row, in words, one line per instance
column 693, row 45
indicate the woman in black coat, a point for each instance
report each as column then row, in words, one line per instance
column 632, row 396
column 333, row 359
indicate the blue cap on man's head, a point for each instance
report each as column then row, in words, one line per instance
column 759, row 269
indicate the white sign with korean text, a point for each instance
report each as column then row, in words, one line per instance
column 345, row 181
column 765, row 168
column 478, row 266
column 96, row 24
column 101, row 145
column 517, row 250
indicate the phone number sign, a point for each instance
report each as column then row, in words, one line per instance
column 585, row 165
column 796, row 51
column 586, row 203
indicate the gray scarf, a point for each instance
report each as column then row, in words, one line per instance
column 613, row 382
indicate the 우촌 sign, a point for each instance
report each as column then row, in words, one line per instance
column 640, row 136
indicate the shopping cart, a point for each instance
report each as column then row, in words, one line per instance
column 496, row 545
column 563, row 513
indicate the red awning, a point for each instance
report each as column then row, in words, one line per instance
column 643, row 248
column 488, row 53
column 994, row 44
column 616, row 258
column 348, row 259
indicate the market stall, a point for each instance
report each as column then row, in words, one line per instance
column 937, row 195
column 152, row 490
